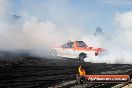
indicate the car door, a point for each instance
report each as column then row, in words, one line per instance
column 68, row 50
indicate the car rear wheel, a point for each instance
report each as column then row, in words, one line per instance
column 82, row 56
column 96, row 54
column 53, row 52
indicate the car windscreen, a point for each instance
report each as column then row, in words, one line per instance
column 81, row 44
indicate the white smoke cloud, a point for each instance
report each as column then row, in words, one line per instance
column 35, row 34
column 119, row 49
column 123, row 22
column 3, row 7
column 31, row 33
column 38, row 35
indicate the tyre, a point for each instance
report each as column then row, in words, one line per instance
column 96, row 54
column 53, row 53
column 82, row 56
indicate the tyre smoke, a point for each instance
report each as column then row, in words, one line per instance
column 119, row 47
column 30, row 33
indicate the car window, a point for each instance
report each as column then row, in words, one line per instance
column 65, row 46
column 68, row 45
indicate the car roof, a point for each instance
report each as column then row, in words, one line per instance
column 78, row 41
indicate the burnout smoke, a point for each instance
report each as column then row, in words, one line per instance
column 31, row 33
column 119, row 47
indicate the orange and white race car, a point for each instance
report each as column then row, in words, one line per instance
column 76, row 49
